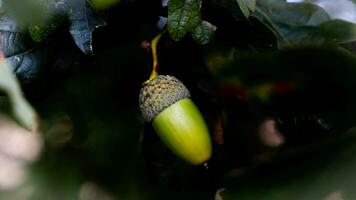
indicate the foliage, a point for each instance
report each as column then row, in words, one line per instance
column 253, row 67
column 184, row 16
column 22, row 110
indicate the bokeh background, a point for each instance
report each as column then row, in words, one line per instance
column 281, row 114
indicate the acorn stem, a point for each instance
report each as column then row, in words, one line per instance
column 154, row 44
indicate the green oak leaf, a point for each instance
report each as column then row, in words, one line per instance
column 183, row 17
column 204, row 32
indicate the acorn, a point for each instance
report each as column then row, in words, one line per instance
column 165, row 102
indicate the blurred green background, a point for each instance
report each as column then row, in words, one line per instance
column 277, row 92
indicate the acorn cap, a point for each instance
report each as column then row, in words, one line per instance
column 159, row 94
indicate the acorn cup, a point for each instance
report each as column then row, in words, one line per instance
column 165, row 102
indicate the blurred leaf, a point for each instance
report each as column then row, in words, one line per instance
column 290, row 22
column 251, row 5
column 22, row 110
column 104, row 4
column 43, row 17
column 247, row 6
column 24, row 11
column 298, row 23
column 298, row 81
column 244, row 8
column 204, row 32
column 51, row 15
column 44, row 28
column 304, row 177
column 338, row 31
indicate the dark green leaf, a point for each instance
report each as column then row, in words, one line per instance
column 183, row 17
column 232, row 7
column 84, row 20
column 297, row 23
column 338, row 31
column 43, row 30
column 292, row 23
column 25, row 12
column 104, row 4
column 204, row 32
column 49, row 15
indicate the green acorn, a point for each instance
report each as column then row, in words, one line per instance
column 165, row 102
